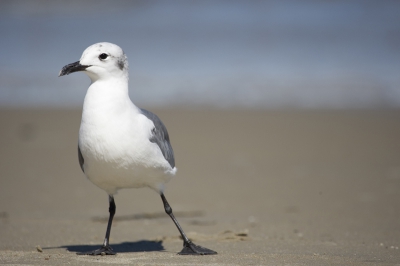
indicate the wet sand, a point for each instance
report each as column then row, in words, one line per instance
column 259, row 187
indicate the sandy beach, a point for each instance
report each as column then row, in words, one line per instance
column 259, row 187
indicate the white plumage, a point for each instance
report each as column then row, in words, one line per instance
column 121, row 145
column 114, row 135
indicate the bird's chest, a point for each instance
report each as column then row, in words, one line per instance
column 120, row 141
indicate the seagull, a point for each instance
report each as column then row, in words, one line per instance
column 121, row 145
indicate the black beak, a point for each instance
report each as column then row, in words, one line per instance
column 70, row 68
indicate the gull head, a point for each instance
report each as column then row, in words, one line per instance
column 100, row 61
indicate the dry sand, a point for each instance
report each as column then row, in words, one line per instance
column 259, row 187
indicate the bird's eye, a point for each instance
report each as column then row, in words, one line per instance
column 103, row 56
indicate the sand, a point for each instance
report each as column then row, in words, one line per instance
column 259, row 187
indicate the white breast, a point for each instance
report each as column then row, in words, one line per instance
column 114, row 141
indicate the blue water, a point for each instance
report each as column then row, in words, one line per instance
column 252, row 54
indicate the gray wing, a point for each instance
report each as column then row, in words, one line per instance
column 80, row 157
column 160, row 137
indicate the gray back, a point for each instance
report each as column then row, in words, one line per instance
column 160, row 137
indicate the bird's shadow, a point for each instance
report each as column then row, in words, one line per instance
column 125, row 247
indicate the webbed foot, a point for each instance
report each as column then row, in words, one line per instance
column 192, row 249
column 104, row 250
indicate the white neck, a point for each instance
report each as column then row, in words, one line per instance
column 106, row 99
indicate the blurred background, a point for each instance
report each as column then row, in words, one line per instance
column 283, row 115
column 220, row 54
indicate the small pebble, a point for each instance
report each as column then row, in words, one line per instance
column 381, row 244
column 39, row 248
column 102, row 253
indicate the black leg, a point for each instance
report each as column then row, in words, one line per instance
column 105, row 249
column 189, row 248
